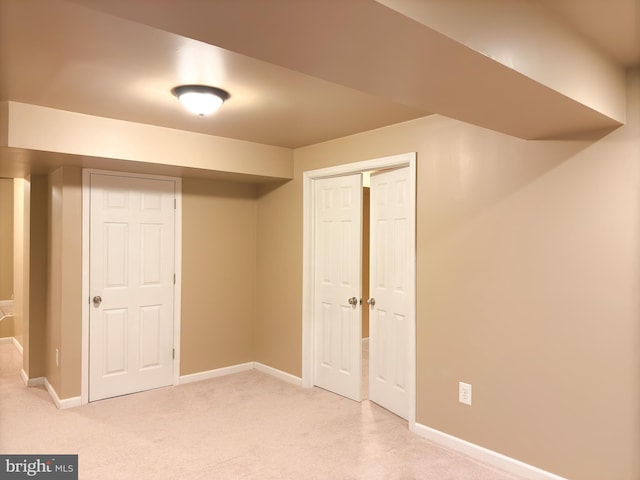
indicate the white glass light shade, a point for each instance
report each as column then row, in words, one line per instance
column 200, row 103
column 200, row 99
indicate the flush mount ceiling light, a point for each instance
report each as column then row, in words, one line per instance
column 200, row 99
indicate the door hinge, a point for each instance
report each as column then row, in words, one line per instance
column 174, row 278
column 174, row 353
column 175, row 203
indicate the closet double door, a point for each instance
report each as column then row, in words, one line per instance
column 337, row 287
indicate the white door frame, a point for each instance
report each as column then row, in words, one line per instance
column 308, row 267
column 86, row 196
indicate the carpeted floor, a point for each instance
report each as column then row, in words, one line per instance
column 243, row 426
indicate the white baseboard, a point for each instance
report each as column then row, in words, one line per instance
column 16, row 344
column 284, row 376
column 31, row 382
column 485, row 455
column 24, row 377
column 218, row 372
column 39, row 381
column 13, row 340
column 64, row 403
column 242, row 367
column 35, row 382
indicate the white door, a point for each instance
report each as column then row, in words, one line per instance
column 337, row 312
column 389, row 288
column 131, row 284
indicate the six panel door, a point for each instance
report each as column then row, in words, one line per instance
column 389, row 267
column 131, row 284
column 337, row 313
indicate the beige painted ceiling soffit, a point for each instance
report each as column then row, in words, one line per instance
column 79, row 139
column 507, row 66
column 528, row 37
column 74, row 56
column 611, row 25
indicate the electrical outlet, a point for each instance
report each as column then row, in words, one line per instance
column 57, row 357
column 464, row 393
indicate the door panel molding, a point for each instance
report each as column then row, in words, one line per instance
column 86, row 196
column 309, row 271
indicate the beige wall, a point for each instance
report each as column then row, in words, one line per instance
column 34, row 325
column 21, row 207
column 527, row 286
column 218, row 274
column 64, row 294
column 6, row 238
column 54, row 283
column 71, row 311
column 29, row 278
column 6, row 250
column 278, row 329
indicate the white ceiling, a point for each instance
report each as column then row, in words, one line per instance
column 120, row 58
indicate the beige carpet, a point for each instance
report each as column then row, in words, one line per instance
column 243, row 426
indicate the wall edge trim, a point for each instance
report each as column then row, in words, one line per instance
column 508, row 464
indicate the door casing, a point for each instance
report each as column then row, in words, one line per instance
column 403, row 160
column 86, row 196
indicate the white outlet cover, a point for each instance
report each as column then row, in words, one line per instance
column 464, row 393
